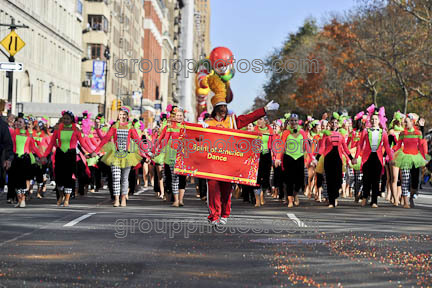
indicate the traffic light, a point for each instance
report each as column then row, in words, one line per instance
column 116, row 104
column 107, row 53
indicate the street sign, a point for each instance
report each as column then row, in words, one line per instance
column 11, row 66
column 12, row 43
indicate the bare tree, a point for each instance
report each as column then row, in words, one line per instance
column 420, row 9
column 397, row 43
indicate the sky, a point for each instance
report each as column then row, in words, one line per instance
column 253, row 29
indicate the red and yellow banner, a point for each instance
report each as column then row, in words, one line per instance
column 218, row 153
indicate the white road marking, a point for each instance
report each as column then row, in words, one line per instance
column 77, row 220
column 144, row 191
column 296, row 220
column 17, row 237
column 31, row 232
column 199, row 216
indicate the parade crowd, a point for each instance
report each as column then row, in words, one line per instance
column 365, row 157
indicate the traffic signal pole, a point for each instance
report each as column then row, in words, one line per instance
column 107, row 56
column 9, row 75
column 106, row 88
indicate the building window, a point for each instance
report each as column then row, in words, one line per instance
column 79, row 7
column 95, row 51
column 98, row 23
column 124, row 20
column 157, row 93
column 88, row 79
column 105, row 1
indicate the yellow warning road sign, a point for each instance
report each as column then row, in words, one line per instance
column 12, row 43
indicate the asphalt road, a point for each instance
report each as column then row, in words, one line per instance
column 150, row 244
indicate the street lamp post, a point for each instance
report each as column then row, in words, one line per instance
column 107, row 57
column 142, row 86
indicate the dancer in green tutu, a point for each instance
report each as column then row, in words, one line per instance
column 411, row 151
column 122, row 154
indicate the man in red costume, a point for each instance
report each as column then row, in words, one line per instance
column 219, row 193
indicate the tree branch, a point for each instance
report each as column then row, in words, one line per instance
column 420, row 93
column 405, row 8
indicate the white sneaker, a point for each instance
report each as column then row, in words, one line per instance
column 223, row 221
column 22, row 205
column 214, row 222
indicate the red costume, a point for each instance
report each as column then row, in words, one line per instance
column 56, row 141
column 335, row 139
column 364, row 147
column 219, row 193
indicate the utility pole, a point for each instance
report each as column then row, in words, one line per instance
column 106, row 86
column 142, row 86
column 107, row 57
column 122, row 39
column 15, row 44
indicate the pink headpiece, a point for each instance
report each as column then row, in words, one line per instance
column 381, row 115
column 69, row 113
column 203, row 114
column 125, row 109
column 359, row 115
column 382, row 118
column 86, row 123
column 169, row 108
column 371, row 110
